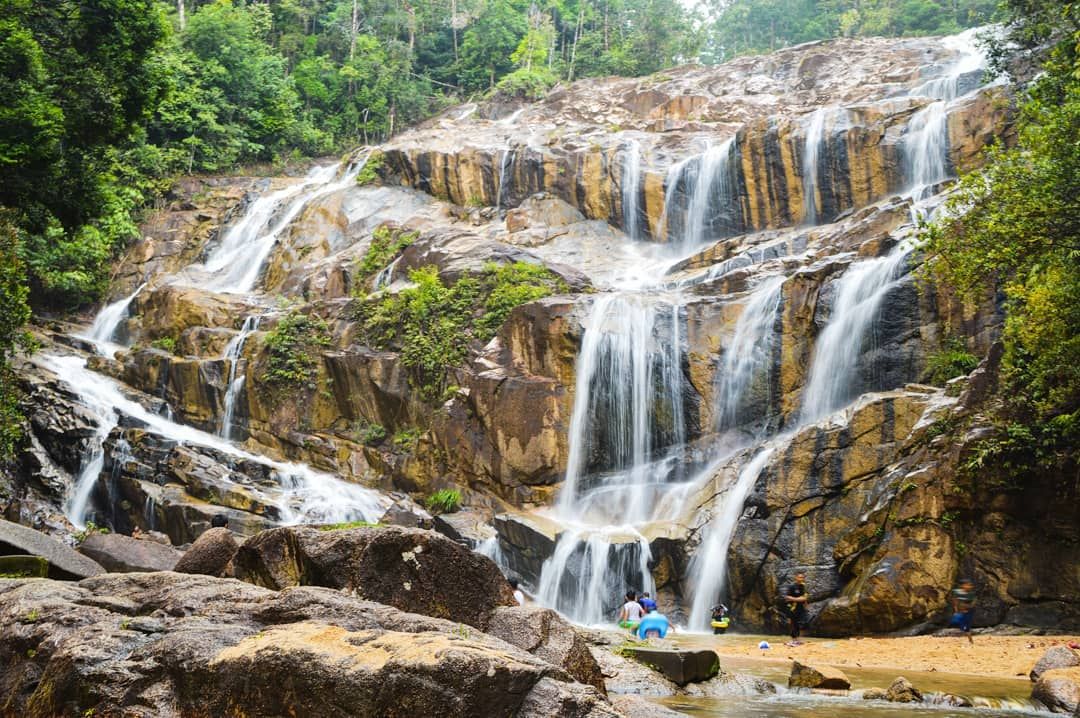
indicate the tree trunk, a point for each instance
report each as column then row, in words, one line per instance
column 577, row 34
column 453, row 26
column 354, row 28
column 180, row 12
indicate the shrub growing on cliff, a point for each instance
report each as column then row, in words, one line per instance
column 369, row 173
column 445, row 501
column 292, row 348
column 386, row 244
column 951, row 361
column 433, row 324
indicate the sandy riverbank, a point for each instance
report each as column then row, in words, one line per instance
column 996, row 656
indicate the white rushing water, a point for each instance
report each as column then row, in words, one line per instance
column 590, row 566
column 234, row 352
column 305, row 495
column 631, row 189
column 629, row 361
column 505, row 165
column 812, row 152
column 926, row 141
column 102, row 331
column 708, row 566
column 711, row 193
column 747, row 358
column 858, row 296
column 235, row 265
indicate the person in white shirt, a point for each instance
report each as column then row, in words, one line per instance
column 518, row 595
column 630, row 615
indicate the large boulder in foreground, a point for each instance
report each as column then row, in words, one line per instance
column 168, row 644
column 1059, row 690
column 547, row 635
column 124, row 554
column 211, row 554
column 1055, row 657
column 65, row 563
column 411, row 569
column 817, row 676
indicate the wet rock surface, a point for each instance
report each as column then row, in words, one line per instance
column 677, row 665
column 817, row 676
column 414, row 570
column 212, row 554
column 1058, row 689
column 168, row 644
column 64, row 562
column 119, row 553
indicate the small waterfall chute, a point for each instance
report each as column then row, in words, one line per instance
column 631, row 189
column 236, row 263
column 591, row 569
column 708, row 566
column 103, row 330
column 305, row 494
column 234, row 351
column 622, row 370
column 859, row 294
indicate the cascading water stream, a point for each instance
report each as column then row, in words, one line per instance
column 712, row 195
column 748, row 358
column 708, row 567
column 926, row 143
column 234, row 351
column 812, row 152
column 506, row 162
column 102, row 331
column 591, row 566
column 623, row 369
column 306, row 495
column 237, row 262
column 631, row 189
column 859, row 293
column 234, row 266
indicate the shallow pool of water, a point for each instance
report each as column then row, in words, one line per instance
column 992, row 696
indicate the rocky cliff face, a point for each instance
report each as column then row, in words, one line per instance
column 717, row 231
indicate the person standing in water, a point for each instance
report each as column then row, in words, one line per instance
column 963, row 604
column 795, row 602
column 630, row 614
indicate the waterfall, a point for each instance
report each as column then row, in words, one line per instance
column 386, row 275
column 926, row 142
column 505, row 165
column 590, row 571
column 623, row 370
column 708, row 566
column 926, row 149
column 813, row 148
column 93, row 460
column 631, row 189
column 748, row 357
column 234, row 353
column 305, row 495
column 712, row 197
column 858, row 296
column 237, row 262
column 107, row 321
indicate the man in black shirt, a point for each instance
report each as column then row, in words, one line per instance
column 795, row 603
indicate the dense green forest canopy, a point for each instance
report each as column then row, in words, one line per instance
column 742, row 27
